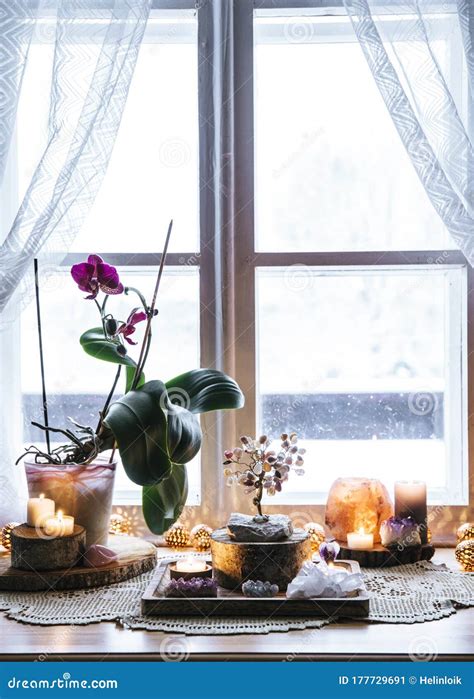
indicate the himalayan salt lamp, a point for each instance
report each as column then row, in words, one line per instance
column 357, row 503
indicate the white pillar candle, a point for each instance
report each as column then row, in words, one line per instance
column 360, row 540
column 38, row 510
column 191, row 565
column 60, row 525
column 410, row 501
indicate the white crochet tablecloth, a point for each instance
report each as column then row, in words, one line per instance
column 403, row 595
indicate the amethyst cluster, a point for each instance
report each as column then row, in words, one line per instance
column 193, row 587
column 400, row 531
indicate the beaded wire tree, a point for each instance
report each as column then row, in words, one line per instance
column 259, row 469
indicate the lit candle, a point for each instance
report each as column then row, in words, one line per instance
column 38, row 510
column 410, row 501
column 334, row 568
column 60, row 525
column 360, row 540
column 191, row 565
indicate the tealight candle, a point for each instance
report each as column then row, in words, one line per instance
column 38, row 510
column 334, row 568
column 190, row 565
column 360, row 540
column 410, row 501
column 190, row 568
column 60, row 525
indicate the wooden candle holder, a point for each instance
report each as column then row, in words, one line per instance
column 176, row 574
column 276, row 561
column 33, row 552
column 381, row 557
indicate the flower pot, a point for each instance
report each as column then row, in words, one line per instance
column 84, row 491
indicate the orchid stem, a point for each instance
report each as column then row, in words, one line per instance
column 140, row 296
column 40, row 340
column 109, row 398
column 151, row 313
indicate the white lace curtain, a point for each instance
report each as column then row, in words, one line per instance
column 408, row 45
column 93, row 49
column 96, row 45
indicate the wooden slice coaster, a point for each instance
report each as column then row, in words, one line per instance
column 381, row 557
column 135, row 556
column 32, row 550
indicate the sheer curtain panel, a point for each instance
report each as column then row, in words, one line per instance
column 407, row 46
column 92, row 48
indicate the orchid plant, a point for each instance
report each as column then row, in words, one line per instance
column 260, row 469
column 154, row 433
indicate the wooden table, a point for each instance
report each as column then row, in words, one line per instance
column 454, row 637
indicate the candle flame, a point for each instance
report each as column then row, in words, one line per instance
column 361, row 531
column 59, row 515
column 41, row 496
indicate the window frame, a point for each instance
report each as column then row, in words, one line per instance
column 227, row 259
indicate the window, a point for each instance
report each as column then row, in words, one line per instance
column 306, row 259
column 360, row 299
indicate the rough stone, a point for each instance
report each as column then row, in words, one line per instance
column 257, row 588
column 244, row 528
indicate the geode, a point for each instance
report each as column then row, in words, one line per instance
column 194, row 587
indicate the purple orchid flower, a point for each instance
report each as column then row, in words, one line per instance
column 95, row 275
column 128, row 328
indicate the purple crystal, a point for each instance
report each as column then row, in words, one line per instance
column 193, row 587
column 329, row 551
column 400, row 531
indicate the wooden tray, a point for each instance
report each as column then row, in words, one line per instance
column 135, row 556
column 228, row 603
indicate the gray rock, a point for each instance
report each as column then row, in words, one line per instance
column 257, row 588
column 245, row 528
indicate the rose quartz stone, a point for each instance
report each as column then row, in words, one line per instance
column 96, row 556
column 357, row 503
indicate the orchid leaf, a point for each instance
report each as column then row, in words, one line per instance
column 139, row 424
column 184, row 435
column 152, row 433
column 203, row 390
column 163, row 503
column 130, row 375
column 95, row 343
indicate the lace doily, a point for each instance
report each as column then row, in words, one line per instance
column 404, row 595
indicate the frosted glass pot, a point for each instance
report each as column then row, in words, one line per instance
column 84, row 491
